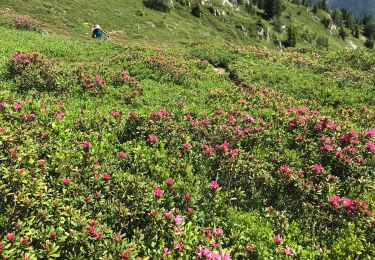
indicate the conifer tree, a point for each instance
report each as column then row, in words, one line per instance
column 291, row 41
column 342, row 33
column 273, row 8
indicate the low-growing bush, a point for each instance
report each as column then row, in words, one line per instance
column 33, row 71
column 24, row 22
column 160, row 5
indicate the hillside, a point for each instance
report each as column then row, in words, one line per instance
column 130, row 20
column 162, row 144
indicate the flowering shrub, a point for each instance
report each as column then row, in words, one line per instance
column 33, row 71
column 24, row 22
column 230, row 173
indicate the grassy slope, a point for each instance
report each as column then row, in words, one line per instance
column 198, row 94
column 74, row 19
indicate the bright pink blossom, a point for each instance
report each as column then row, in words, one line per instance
column 169, row 182
column 249, row 249
column 214, row 185
column 86, row 145
column 278, row 239
column 334, row 200
column 152, row 138
column 121, row 155
column 10, row 237
column 158, row 193
column 288, row 251
column 17, row 106
column 318, row 168
column 168, row 214
column 166, row 252
column 66, row 181
column 178, row 220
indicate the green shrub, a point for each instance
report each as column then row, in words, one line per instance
column 32, row 71
column 322, row 42
column 196, row 10
column 24, row 22
column 160, row 5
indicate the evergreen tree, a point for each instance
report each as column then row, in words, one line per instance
column 337, row 17
column 196, row 10
column 322, row 4
column 369, row 43
column 367, row 19
column 369, row 30
column 291, row 41
column 273, row 8
column 356, row 30
column 315, row 9
column 342, row 33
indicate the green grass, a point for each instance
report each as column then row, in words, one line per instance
column 74, row 19
column 169, row 72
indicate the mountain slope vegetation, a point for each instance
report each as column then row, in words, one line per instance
column 131, row 20
column 163, row 144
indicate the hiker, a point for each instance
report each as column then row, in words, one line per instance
column 97, row 32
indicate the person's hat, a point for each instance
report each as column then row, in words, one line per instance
column 97, row 26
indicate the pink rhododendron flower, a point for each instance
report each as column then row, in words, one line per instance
column 299, row 138
column 168, row 214
column 186, row 146
column 25, row 240
column 347, row 202
column 249, row 249
column 371, row 133
column 158, row 193
column 17, row 106
column 327, row 147
column 249, row 118
column 121, row 155
column 42, row 164
column 233, row 152
column 106, row 176
column 166, row 252
column 318, row 168
column 152, row 138
column 334, row 200
column 218, row 232
column 115, row 113
column 224, row 146
column 187, row 196
column 86, row 145
column 10, row 237
column 59, row 115
column 124, row 255
column 214, row 185
column 169, row 182
column 288, row 251
column 99, row 80
column 66, row 181
column 178, row 220
column 371, row 147
column 178, row 246
column 278, row 239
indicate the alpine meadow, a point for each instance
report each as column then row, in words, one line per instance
column 187, row 129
